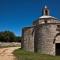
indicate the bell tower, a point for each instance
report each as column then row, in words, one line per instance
column 46, row 11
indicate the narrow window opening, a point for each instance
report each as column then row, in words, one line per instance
column 46, row 12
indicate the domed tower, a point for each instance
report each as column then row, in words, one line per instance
column 46, row 30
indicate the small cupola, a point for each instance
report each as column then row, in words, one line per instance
column 46, row 11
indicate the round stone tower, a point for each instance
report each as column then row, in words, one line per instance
column 47, row 28
column 43, row 36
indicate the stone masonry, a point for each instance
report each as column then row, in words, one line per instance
column 43, row 36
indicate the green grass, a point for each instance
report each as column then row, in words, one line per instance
column 24, row 55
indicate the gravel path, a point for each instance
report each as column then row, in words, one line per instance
column 6, row 53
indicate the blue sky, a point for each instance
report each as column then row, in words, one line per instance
column 16, row 14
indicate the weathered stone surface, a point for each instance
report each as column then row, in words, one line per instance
column 42, row 36
column 28, row 39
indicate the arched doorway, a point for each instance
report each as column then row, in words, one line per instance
column 57, row 44
column 57, row 48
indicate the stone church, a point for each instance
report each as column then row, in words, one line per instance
column 43, row 36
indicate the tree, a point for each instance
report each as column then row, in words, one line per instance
column 18, row 39
column 8, row 36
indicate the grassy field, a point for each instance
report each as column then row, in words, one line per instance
column 24, row 55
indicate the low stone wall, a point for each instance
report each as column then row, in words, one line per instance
column 10, row 44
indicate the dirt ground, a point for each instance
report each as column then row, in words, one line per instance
column 6, row 53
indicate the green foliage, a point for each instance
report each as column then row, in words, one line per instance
column 18, row 39
column 8, row 36
column 24, row 55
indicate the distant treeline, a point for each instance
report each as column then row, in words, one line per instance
column 8, row 36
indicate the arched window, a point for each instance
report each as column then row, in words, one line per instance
column 46, row 12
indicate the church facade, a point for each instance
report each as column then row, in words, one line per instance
column 43, row 36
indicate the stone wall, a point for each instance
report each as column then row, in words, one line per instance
column 8, row 44
column 28, row 39
column 42, row 36
column 45, row 34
